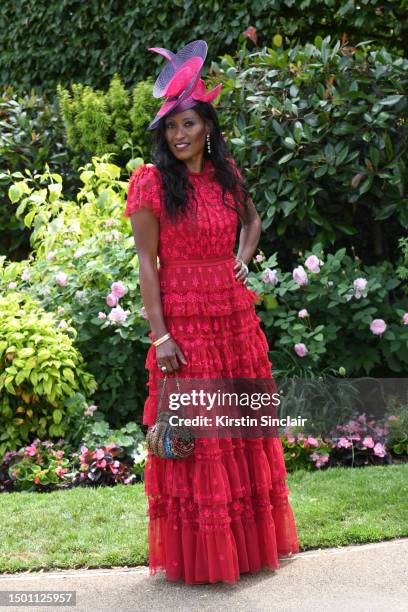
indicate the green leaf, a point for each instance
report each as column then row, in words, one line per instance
column 285, row 158
column 390, row 100
column 57, row 416
column 14, row 193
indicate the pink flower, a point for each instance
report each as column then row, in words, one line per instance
column 60, row 310
column 379, row 450
column 78, row 254
column 61, row 279
column 323, row 459
column 368, row 442
column 378, row 326
column 67, row 242
column 100, row 453
column 25, row 275
column 31, row 450
column 300, row 276
column 270, row 276
column 360, row 285
column 37, row 480
column 143, row 312
column 62, row 324
column 84, row 449
column 118, row 315
column 303, row 313
column 343, row 443
column 312, row 263
column 300, row 349
column 60, row 471
column 51, row 255
column 393, row 418
column 259, row 258
column 110, row 222
column 112, row 300
column 251, row 34
column 111, row 445
column 405, row 318
column 12, row 285
column 101, row 315
column 119, row 289
column 312, row 441
column 101, row 464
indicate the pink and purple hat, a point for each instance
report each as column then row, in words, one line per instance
column 180, row 81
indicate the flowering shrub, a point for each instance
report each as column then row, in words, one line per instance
column 304, row 452
column 43, row 381
column 101, row 466
column 332, row 314
column 84, row 268
column 359, row 442
column 356, row 443
column 397, row 438
column 107, row 456
column 100, row 460
column 41, row 466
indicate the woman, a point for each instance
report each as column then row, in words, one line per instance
column 223, row 510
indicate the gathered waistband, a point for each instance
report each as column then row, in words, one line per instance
column 195, row 262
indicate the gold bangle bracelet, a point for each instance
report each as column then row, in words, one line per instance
column 162, row 339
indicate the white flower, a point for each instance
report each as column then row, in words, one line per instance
column 312, row 263
column 118, row 315
column 360, row 285
column 300, row 276
column 270, row 276
column 62, row 279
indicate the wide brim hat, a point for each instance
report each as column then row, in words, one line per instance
column 180, row 81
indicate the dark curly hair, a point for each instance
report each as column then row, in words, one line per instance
column 174, row 171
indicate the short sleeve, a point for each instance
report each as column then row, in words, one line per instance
column 144, row 191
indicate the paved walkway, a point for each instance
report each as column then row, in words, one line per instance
column 366, row 578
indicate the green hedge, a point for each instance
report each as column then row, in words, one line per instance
column 323, row 135
column 67, row 41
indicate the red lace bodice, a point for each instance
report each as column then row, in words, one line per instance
column 207, row 231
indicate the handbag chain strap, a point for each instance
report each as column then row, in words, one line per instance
column 164, row 388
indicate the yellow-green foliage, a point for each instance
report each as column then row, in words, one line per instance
column 144, row 108
column 98, row 122
column 43, row 380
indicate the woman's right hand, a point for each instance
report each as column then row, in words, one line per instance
column 169, row 354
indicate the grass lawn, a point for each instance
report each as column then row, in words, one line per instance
column 108, row 526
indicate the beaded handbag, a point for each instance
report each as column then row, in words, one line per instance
column 169, row 441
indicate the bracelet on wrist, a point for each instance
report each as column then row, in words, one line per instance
column 162, row 339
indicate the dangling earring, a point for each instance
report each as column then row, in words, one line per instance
column 208, row 144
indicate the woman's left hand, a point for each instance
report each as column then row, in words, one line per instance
column 241, row 271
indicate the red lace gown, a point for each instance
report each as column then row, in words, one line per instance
column 224, row 510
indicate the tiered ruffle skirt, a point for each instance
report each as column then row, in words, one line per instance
column 224, row 510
